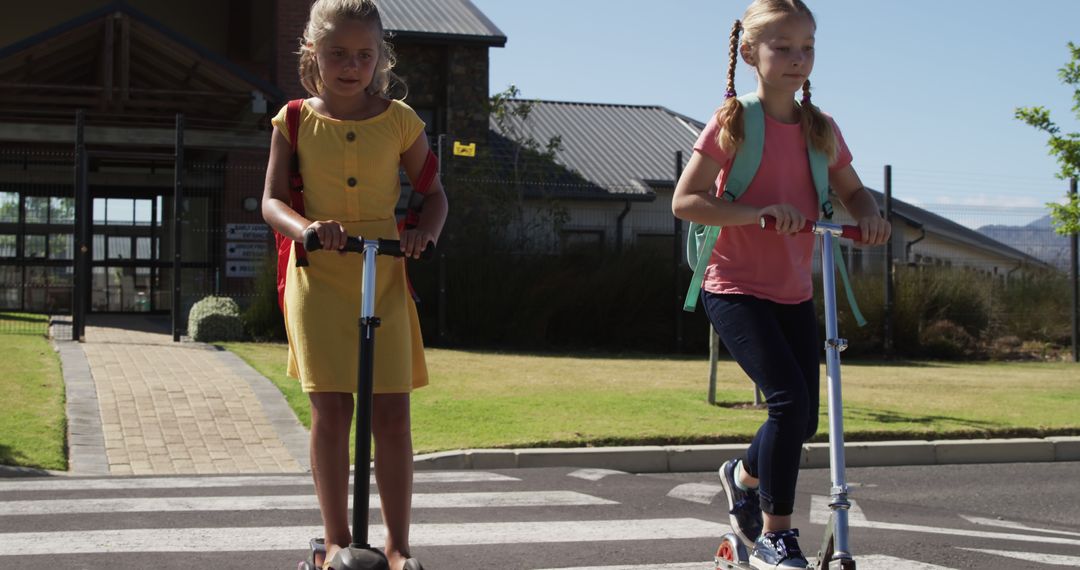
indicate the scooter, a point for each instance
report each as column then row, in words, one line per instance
column 834, row 553
column 360, row 555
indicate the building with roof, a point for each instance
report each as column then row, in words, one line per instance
column 131, row 66
column 627, row 159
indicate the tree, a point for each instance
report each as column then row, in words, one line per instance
column 1065, row 146
column 489, row 190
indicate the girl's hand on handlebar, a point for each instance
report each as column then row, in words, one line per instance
column 415, row 241
column 875, row 230
column 331, row 234
column 789, row 220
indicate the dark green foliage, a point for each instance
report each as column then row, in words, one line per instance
column 263, row 320
column 215, row 319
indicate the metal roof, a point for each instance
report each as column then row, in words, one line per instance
column 945, row 227
column 457, row 20
column 622, row 149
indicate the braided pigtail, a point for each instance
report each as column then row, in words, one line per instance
column 817, row 128
column 729, row 116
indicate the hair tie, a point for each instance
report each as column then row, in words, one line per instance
column 729, row 94
column 806, row 97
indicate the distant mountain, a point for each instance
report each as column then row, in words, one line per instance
column 1037, row 239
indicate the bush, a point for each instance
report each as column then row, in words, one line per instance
column 263, row 320
column 948, row 340
column 215, row 319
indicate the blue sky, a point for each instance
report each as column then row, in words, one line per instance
column 928, row 86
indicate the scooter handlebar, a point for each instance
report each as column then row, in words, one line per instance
column 849, row 232
column 356, row 245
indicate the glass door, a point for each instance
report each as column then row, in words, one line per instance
column 125, row 269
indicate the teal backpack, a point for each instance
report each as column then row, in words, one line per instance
column 701, row 239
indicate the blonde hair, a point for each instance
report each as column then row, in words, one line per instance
column 324, row 16
column 815, row 126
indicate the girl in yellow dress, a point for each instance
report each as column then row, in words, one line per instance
column 352, row 141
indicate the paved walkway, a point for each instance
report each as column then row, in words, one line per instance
column 141, row 404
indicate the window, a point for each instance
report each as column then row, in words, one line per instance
column 144, row 212
column 61, row 246
column 99, row 247
column 119, row 247
column 7, row 246
column 143, row 249
column 10, row 287
column 37, row 210
column 61, row 210
column 9, row 207
column 582, row 241
column 120, row 212
column 34, row 247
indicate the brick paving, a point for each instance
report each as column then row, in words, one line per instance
column 178, row 408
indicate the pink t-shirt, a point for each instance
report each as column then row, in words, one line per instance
column 748, row 260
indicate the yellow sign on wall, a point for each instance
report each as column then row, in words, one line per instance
column 464, row 149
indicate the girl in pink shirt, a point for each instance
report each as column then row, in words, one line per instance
column 758, row 289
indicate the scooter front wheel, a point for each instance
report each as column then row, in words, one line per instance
column 730, row 553
column 844, row 564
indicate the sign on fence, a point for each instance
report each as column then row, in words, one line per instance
column 250, row 232
column 245, row 242
column 241, row 268
column 246, row 249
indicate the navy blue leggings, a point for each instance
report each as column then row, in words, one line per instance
column 777, row 346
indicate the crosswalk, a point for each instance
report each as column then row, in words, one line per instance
column 563, row 520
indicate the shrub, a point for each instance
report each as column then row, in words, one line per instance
column 946, row 339
column 263, row 320
column 214, row 319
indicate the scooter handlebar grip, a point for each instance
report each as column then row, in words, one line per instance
column 769, row 223
column 852, row 233
column 393, row 247
column 312, row 242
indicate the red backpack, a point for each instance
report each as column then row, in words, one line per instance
column 296, row 197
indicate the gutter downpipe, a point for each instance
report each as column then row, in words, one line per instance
column 619, row 227
column 910, row 244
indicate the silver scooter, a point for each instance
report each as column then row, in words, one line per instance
column 834, row 553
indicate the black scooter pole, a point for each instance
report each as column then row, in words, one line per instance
column 360, row 555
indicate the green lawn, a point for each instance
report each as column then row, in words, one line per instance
column 24, row 323
column 33, row 423
column 484, row 399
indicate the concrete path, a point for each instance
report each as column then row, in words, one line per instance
column 141, row 404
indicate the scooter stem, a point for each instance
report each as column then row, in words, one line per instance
column 833, row 346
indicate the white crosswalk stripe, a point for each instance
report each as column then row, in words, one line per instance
column 291, row 502
column 286, row 538
column 594, row 474
column 1050, row 559
column 117, row 484
column 702, row 493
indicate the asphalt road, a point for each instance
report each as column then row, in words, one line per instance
column 1013, row 516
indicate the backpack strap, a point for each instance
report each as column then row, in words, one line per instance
column 819, row 170
column 296, row 182
column 702, row 239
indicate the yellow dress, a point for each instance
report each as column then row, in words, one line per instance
column 350, row 171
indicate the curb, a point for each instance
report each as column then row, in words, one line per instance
column 695, row 458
